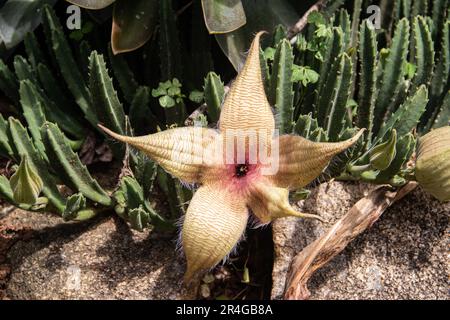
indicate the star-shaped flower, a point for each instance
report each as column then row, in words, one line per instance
column 242, row 168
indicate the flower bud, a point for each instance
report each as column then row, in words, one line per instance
column 26, row 184
column 433, row 163
column 382, row 155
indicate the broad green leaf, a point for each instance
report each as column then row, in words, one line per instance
column 261, row 15
column 222, row 16
column 133, row 24
column 92, row 4
column 17, row 18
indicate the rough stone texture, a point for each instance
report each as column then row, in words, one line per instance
column 101, row 259
column 404, row 255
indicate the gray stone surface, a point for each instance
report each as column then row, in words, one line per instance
column 404, row 255
column 100, row 260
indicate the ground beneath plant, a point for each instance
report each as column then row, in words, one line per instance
column 403, row 256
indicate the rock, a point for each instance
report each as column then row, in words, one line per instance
column 404, row 255
column 100, row 259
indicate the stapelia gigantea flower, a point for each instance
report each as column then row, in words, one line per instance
column 242, row 167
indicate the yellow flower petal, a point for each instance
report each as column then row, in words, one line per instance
column 179, row 151
column 301, row 160
column 246, row 106
column 269, row 202
column 214, row 223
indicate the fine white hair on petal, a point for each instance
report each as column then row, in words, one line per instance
column 255, row 223
column 179, row 239
column 234, row 250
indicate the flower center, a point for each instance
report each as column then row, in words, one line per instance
column 241, row 170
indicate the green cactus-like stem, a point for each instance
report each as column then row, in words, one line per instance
column 424, row 52
column 214, row 94
column 392, row 73
column 33, row 50
column 141, row 117
column 66, row 62
column 24, row 146
column 124, row 75
column 367, row 86
column 69, row 166
column 9, row 83
column 281, row 93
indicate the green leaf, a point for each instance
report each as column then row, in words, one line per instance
column 166, row 102
column 269, row 53
column 17, row 18
column 69, row 167
column 159, row 92
column 304, row 74
column 92, row 4
column 196, row 96
column 214, row 94
column 174, row 91
column 222, row 16
column 316, row 18
column 410, row 70
column 261, row 15
column 133, row 24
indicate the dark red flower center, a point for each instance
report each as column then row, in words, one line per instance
column 241, row 170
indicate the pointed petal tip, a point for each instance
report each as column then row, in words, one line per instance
column 260, row 33
column 255, row 43
column 112, row 133
column 358, row 135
